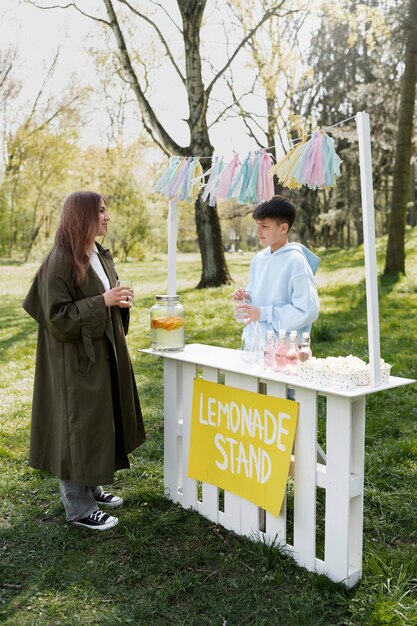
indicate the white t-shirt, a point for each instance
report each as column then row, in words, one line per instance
column 98, row 268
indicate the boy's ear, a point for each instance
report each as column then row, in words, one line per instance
column 284, row 228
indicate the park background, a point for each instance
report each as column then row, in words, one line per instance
column 73, row 117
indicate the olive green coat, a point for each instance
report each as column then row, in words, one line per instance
column 86, row 415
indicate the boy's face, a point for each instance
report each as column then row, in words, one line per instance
column 270, row 233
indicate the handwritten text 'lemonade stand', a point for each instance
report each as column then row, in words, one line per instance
column 242, row 441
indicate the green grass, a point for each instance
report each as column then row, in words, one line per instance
column 164, row 565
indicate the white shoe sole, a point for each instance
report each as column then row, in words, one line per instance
column 105, row 526
column 111, row 505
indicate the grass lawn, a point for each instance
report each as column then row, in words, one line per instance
column 164, row 565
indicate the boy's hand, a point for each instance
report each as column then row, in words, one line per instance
column 240, row 294
column 250, row 313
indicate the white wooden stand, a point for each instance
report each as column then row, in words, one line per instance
column 340, row 471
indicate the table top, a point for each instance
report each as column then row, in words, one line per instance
column 229, row 360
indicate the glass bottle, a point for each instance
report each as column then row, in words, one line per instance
column 167, row 324
column 292, row 354
column 281, row 352
column 305, row 348
column 269, row 350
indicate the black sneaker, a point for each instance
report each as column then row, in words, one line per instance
column 97, row 521
column 108, row 499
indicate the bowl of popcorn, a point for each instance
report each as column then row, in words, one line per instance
column 341, row 372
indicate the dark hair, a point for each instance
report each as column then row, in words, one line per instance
column 77, row 229
column 277, row 208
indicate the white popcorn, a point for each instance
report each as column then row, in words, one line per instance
column 343, row 372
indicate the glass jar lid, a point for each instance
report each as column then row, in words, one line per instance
column 167, row 298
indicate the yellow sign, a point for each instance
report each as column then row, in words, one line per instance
column 241, row 441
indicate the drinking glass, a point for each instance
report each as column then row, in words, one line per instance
column 246, row 353
column 126, row 283
column 252, row 346
column 240, row 315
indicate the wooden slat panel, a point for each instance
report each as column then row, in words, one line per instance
column 189, row 484
column 357, row 468
column 276, row 527
column 172, row 479
column 209, row 507
column 338, row 447
column 342, row 476
column 239, row 514
column 305, row 454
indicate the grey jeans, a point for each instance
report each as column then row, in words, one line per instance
column 78, row 500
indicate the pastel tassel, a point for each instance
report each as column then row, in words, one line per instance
column 180, row 175
column 253, row 180
column 332, row 162
column 283, row 169
column 213, row 181
column 162, row 184
column 313, row 163
column 309, row 167
column 197, row 181
column 245, row 190
column 265, row 185
column 185, row 192
column 240, row 177
column 227, row 177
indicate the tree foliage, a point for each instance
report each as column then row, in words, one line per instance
column 395, row 256
column 275, row 74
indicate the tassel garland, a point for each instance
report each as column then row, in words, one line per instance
column 313, row 163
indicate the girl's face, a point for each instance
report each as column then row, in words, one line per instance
column 103, row 219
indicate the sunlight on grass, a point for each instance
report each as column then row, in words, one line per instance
column 164, row 565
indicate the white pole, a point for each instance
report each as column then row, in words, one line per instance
column 172, row 247
column 371, row 276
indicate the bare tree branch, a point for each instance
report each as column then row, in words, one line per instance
column 45, row 80
column 55, row 6
column 150, row 121
column 7, row 62
column 71, row 5
column 55, row 114
column 244, row 41
column 241, row 211
column 169, row 16
column 160, row 35
column 245, row 116
column 234, row 103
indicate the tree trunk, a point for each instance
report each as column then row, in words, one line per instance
column 412, row 199
column 395, row 254
column 214, row 268
column 33, row 237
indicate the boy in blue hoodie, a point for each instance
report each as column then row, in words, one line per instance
column 281, row 289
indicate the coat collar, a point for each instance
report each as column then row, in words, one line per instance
column 103, row 251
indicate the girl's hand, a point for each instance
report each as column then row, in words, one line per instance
column 119, row 296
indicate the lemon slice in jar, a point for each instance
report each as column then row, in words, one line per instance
column 167, row 323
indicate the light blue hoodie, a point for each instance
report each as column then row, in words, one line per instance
column 282, row 285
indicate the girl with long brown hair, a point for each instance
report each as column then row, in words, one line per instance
column 86, row 415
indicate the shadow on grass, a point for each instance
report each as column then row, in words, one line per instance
column 4, row 261
column 25, row 330
column 160, row 565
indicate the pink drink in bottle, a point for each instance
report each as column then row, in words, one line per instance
column 281, row 352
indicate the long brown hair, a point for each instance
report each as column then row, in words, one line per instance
column 76, row 230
